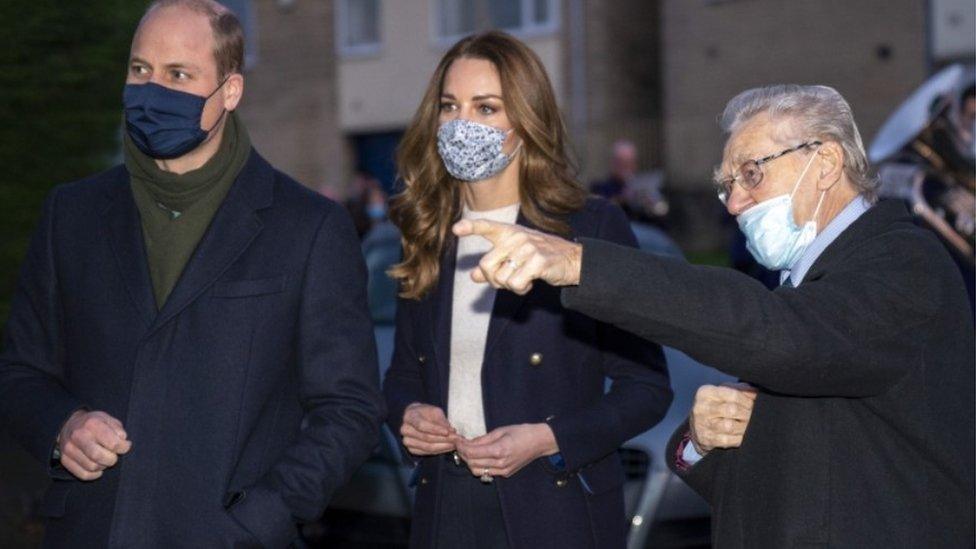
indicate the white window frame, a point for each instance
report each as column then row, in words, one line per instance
column 529, row 30
column 341, row 32
column 534, row 29
column 433, row 19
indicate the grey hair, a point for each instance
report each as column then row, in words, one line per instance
column 812, row 112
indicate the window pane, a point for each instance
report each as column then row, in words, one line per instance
column 362, row 22
column 541, row 12
column 505, row 14
column 456, row 17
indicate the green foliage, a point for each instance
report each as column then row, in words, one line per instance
column 62, row 67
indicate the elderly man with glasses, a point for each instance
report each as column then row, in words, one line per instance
column 857, row 428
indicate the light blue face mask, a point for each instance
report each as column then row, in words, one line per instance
column 772, row 236
column 376, row 212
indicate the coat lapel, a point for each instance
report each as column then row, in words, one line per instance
column 441, row 312
column 506, row 307
column 124, row 233
column 234, row 227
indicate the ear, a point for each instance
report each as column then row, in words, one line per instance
column 233, row 90
column 831, row 165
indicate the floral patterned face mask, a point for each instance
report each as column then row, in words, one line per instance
column 472, row 151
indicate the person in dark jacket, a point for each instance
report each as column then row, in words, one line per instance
column 189, row 349
column 861, row 432
column 500, row 398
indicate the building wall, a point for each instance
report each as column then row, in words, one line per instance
column 290, row 104
column 381, row 91
column 713, row 50
column 622, row 82
column 872, row 51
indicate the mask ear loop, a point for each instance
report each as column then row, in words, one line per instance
column 802, row 174
column 224, row 112
column 817, row 209
column 518, row 147
column 797, row 186
column 221, row 85
column 511, row 155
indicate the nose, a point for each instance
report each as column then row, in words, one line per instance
column 739, row 201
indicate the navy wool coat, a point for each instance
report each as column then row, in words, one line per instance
column 249, row 397
column 862, row 434
column 542, row 363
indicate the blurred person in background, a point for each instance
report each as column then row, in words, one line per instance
column 623, row 168
column 189, row 350
column 499, row 398
column 367, row 202
column 638, row 194
column 859, row 428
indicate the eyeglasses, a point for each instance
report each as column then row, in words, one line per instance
column 750, row 172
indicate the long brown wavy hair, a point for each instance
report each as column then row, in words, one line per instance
column 430, row 202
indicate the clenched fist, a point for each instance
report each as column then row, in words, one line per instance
column 91, row 442
column 720, row 416
column 426, row 431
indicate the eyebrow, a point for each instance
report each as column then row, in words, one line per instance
column 178, row 65
column 717, row 174
column 475, row 98
column 741, row 157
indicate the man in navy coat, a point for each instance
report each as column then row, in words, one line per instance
column 189, row 348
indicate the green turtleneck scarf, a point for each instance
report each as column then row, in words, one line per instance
column 177, row 209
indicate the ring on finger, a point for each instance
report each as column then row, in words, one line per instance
column 512, row 263
column 486, row 477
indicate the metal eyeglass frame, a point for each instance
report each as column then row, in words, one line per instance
column 723, row 187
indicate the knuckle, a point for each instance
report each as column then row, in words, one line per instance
column 75, row 437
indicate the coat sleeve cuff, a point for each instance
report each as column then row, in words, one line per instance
column 592, row 287
column 263, row 513
column 680, row 462
column 50, row 425
column 583, row 438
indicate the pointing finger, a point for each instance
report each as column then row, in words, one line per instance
column 491, row 230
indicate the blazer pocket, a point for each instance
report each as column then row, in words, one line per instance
column 603, row 476
column 249, row 288
column 55, row 500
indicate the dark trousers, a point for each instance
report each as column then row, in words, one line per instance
column 470, row 513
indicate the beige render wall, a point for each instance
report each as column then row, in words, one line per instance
column 713, row 50
column 290, row 93
column 622, row 82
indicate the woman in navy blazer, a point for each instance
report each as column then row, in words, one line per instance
column 500, row 399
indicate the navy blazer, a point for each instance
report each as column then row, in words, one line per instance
column 542, row 363
column 249, row 397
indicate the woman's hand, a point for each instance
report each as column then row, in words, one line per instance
column 425, row 430
column 506, row 450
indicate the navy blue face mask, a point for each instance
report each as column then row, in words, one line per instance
column 164, row 123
